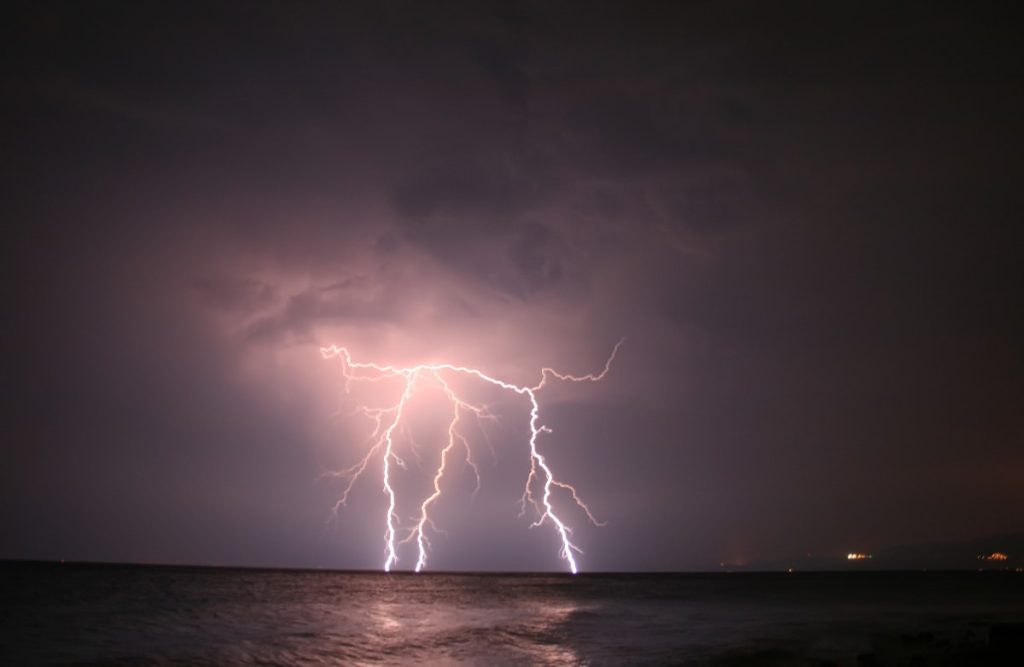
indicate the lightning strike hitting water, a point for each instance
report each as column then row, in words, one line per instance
column 387, row 420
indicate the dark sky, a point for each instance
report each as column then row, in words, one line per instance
column 804, row 218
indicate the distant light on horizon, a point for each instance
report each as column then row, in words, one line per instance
column 856, row 556
column 995, row 555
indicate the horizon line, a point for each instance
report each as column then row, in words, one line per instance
column 343, row 570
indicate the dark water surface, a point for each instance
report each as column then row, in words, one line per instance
column 61, row 614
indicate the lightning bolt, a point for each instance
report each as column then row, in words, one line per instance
column 386, row 421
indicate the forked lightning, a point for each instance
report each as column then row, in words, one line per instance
column 387, row 420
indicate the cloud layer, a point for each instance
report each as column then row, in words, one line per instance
column 803, row 220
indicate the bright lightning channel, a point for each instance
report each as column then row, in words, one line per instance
column 386, row 421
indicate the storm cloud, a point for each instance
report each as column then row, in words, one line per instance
column 804, row 219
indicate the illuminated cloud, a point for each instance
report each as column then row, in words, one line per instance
column 818, row 286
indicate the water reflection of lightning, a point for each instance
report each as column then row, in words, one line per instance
column 386, row 421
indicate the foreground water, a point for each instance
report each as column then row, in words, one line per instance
column 53, row 614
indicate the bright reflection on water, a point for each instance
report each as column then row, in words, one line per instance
column 460, row 619
column 130, row 615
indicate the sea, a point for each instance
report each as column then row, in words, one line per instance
column 81, row 614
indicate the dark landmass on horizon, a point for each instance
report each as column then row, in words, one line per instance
column 946, row 555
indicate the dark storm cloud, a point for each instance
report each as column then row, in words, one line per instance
column 347, row 300
column 233, row 293
column 804, row 219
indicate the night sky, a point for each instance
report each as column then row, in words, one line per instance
column 806, row 220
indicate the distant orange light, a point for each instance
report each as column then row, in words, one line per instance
column 995, row 555
column 853, row 556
